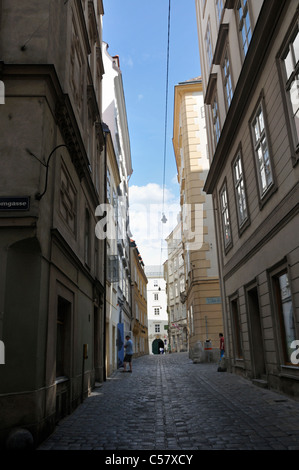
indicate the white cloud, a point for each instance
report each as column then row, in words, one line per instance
column 127, row 60
column 146, row 210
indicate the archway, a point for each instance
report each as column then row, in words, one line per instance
column 157, row 344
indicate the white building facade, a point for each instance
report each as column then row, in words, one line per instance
column 156, row 310
column 118, row 301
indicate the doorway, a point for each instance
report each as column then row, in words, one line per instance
column 257, row 342
column 63, row 358
column 157, row 344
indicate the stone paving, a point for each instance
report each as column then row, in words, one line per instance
column 169, row 403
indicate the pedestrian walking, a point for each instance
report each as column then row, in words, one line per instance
column 221, row 346
column 128, row 354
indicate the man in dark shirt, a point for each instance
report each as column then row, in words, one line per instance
column 221, row 344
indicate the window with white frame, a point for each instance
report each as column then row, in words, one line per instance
column 244, row 24
column 157, row 328
column 290, row 59
column 227, row 79
column 209, row 46
column 227, row 237
column 157, row 310
column 261, row 149
column 156, row 296
column 240, row 191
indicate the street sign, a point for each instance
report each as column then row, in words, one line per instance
column 213, row 300
column 13, row 203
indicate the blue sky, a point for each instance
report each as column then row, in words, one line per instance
column 137, row 31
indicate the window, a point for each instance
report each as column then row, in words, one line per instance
column 284, row 304
column 225, row 217
column 219, row 10
column 216, row 120
column 191, row 321
column 240, row 192
column 157, row 310
column 87, row 238
column 68, row 199
column 108, row 187
column 209, row 46
column 290, row 60
column 156, row 296
column 157, row 328
column 244, row 24
column 112, row 268
column 261, row 149
column 227, row 79
column 114, row 203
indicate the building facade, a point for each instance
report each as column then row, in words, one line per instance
column 249, row 59
column 139, row 302
column 115, row 117
column 174, row 275
column 52, row 180
column 156, row 310
column 202, row 288
column 112, row 258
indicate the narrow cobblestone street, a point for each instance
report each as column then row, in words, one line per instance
column 170, row 403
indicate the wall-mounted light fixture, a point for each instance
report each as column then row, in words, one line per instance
column 38, row 196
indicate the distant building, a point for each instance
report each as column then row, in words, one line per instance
column 156, row 309
column 174, row 275
column 250, row 63
column 139, row 302
column 201, row 292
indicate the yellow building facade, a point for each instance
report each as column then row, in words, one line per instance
column 139, row 302
column 202, row 290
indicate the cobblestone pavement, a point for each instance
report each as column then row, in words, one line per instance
column 169, row 403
